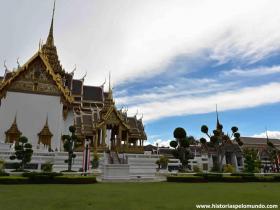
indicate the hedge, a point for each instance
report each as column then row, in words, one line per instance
column 48, row 180
column 2, row 173
column 223, row 179
column 185, row 179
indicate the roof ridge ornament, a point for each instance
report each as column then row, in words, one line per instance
column 218, row 125
column 73, row 71
column 18, row 62
column 5, row 66
column 83, row 78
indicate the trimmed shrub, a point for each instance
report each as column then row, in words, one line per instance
column 3, row 173
column 223, row 179
column 13, row 180
column 243, row 174
column 232, row 179
column 185, row 179
column 41, row 174
column 47, row 167
column 277, row 178
column 75, row 180
column 48, row 180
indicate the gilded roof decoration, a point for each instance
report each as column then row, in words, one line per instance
column 55, row 77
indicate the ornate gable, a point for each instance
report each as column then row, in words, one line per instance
column 113, row 117
column 36, row 76
column 35, row 80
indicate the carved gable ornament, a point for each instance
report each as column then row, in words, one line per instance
column 37, row 76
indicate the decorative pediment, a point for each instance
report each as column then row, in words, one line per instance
column 36, row 76
column 112, row 116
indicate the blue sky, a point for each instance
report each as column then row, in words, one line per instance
column 172, row 60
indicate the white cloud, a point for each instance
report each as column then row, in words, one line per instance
column 135, row 39
column 270, row 134
column 139, row 38
column 160, row 142
column 227, row 100
column 182, row 88
column 259, row 71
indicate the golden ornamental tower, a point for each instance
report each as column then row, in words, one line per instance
column 50, row 52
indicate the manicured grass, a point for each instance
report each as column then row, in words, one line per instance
column 135, row 196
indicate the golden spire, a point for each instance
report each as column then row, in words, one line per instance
column 49, row 50
column 50, row 40
column 218, row 125
column 110, row 88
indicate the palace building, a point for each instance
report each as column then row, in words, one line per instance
column 40, row 100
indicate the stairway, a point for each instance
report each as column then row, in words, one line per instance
column 113, row 158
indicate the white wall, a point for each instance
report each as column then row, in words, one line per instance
column 32, row 110
column 68, row 122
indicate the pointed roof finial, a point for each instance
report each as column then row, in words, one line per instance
column 40, row 43
column 110, row 96
column 15, row 119
column 110, row 89
column 102, row 86
column 83, row 78
column 47, row 120
column 5, row 66
column 136, row 113
column 266, row 134
column 218, row 125
column 18, row 62
column 50, row 40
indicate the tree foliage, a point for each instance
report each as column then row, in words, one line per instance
column 218, row 139
column 273, row 153
column 181, row 146
column 179, row 133
column 252, row 162
column 23, row 152
column 69, row 144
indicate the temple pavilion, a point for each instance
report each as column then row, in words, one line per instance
column 40, row 100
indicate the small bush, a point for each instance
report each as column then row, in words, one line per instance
column 228, row 168
column 47, row 167
column 196, row 169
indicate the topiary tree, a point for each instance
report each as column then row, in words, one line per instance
column 23, row 152
column 181, row 146
column 70, row 142
column 217, row 140
column 252, row 164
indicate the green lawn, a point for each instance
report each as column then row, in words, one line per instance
column 135, row 196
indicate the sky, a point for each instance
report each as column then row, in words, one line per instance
column 171, row 61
